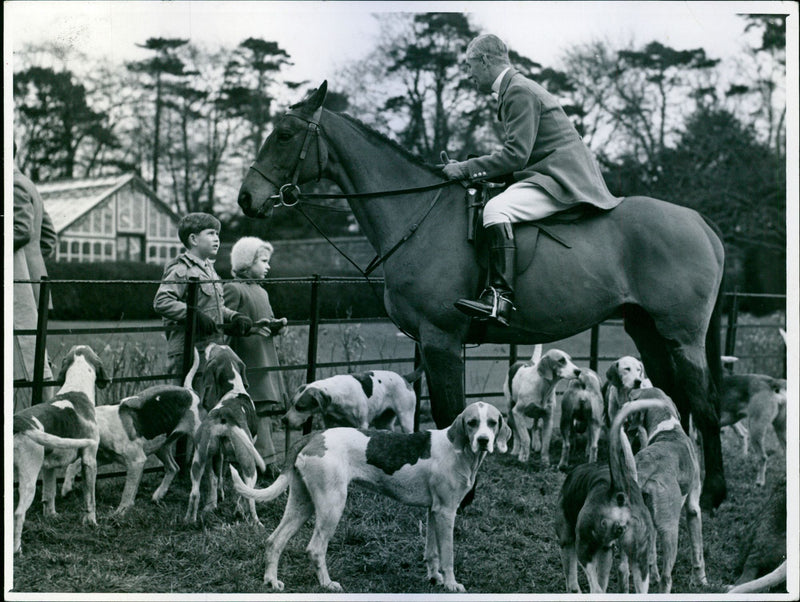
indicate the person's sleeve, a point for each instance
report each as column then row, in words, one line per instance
column 522, row 114
column 48, row 238
column 169, row 301
column 231, row 297
column 23, row 216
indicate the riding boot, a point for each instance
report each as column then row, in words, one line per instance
column 497, row 300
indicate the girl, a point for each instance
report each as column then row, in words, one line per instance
column 250, row 260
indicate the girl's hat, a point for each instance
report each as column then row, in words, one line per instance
column 245, row 251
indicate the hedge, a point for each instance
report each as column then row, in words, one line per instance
column 98, row 301
column 134, row 301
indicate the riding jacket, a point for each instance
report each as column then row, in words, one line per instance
column 542, row 147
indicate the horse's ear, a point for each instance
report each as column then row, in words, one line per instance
column 317, row 97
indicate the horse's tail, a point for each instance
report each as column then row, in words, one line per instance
column 414, row 376
column 713, row 346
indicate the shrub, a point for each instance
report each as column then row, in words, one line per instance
column 99, row 301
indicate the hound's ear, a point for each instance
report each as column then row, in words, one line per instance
column 503, row 435
column 642, row 373
column 102, row 380
column 66, row 362
column 545, row 368
column 323, row 399
column 457, row 434
column 612, row 375
column 209, row 392
column 243, row 371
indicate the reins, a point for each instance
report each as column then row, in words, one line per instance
column 289, row 194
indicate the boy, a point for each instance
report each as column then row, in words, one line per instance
column 199, row 233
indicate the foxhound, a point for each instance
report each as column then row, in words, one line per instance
column 530, row 388
column 50, row 435
column 581, row 412
column 357, row 400
column 598, row 506
column 433, row 469
column 670, row 480
column 622, row 377
column 142, row 425
column 759, row 401
column 226, row 431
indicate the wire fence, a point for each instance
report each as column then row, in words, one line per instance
column 310, row 363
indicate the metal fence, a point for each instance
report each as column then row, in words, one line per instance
column 314, row 322
column 312, row 363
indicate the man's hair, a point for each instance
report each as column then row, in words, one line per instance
column 490, row 46
column 194, row 223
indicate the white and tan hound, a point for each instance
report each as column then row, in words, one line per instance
column 51, row 435
column 754, row 404
column 622, row 377
column 142, row 425
column 378, row 398
column 670, row 480
column 598, row 506
column 225, row 432
column 581, row 412
column 433, row 469
column 531, row 390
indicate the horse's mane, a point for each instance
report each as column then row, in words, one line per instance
column 372, row 133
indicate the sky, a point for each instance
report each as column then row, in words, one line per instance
column 321, row 37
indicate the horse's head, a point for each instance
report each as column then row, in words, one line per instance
column 293, row 154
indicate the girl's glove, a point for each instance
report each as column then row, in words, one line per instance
column 239, row 326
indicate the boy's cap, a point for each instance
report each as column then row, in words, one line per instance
column 194, row 223
column 245, row 251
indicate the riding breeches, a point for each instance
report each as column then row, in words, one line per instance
column 520, row 202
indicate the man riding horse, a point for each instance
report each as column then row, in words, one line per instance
column 552, row 168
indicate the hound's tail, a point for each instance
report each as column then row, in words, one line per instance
column 414, row 376
column 187, row 382
column 243, row 445
column 620, row 455
column 54, row 441
column 762, row 584
column 280, row 485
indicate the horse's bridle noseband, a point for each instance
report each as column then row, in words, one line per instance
column 289, row 193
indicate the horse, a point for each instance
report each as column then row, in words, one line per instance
column 657, row 265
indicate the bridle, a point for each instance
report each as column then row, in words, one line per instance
column 291, row 190
column 289, row 194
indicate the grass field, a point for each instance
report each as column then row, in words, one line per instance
column 504, row 541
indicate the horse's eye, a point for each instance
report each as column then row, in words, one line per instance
column 284, row 136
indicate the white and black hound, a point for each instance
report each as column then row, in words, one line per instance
column 50, row 435
column 433, row 469
column 377, row 398
column 147, row 423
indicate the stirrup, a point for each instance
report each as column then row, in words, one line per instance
column 498, row 309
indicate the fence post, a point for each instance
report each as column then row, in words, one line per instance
column 594, row 345
column 40, row 349
column 313, row 333
column 733, row 319
column 191, row 316
column 512, row 353
column 417, row 386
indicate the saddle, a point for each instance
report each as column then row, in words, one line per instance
column 526, row 234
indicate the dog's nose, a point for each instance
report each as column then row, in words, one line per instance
column 577, row 372
column 483, row 441
column 637, row 383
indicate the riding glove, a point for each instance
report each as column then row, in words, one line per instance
column 239, row 325
column 204, row 324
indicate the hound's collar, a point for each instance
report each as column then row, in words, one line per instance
column 665, row 425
